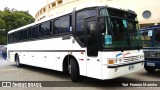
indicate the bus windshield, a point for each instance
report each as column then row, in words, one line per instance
column 146, row 37
column 150, row 38
column 121, row 29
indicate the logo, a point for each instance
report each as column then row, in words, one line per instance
column 6, row 84
column 121, row 54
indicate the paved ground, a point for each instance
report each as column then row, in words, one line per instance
column 9, row 72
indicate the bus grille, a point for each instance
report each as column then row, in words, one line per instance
column 130, row 59
column 152, row 54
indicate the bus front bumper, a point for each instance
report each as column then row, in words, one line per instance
column 152, row 63
column 126, row 64
column 114, row 71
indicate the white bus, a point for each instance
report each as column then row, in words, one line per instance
column 98, row 41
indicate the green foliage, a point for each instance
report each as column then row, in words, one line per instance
column 11, row 19
column 2, row 24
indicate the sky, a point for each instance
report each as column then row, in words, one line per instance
column 33, row 6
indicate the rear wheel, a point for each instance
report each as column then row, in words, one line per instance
column 18, row 61
column 150, row 69
column 74, row 70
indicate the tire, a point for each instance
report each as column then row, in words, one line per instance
column 74, row 70
column 150, row 69
column 18, row 61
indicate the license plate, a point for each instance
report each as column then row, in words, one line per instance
column 131, row 67
column 150, row 64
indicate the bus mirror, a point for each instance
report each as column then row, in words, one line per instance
column 102, row 25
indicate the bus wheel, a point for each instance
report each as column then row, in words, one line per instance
column 17, row 61
column 74, row 70
column 149, row 69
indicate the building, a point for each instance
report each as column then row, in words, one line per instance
column 147, row 10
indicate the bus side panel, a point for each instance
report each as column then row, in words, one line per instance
column 94, row 66
column 11, row 54
column 46, row 54
column 61, row 46
column 22, row 57
column 80, row 57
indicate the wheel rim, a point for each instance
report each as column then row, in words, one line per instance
column 17, row 61
column 69, row 69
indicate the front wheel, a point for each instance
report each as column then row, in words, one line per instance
column 18, row 61
column 74, row 70
column 149, row 69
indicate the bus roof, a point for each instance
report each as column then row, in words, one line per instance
column 150, row 27
column 78, row 7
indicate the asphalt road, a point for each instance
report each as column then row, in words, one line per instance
column 60, row 81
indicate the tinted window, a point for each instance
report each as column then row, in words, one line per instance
column 25, row 34
column 157, row 38
column 29, row 33
column 45, row 28
column 146, row 37
column 34, row 32
column 15, row 37
column 57, row 26
column 21, row 35
column 40, row 34
column 65, row 24
column 86, row 14
column 80, row 16
column 120, row 13
column 80, row 30
column 10, row 38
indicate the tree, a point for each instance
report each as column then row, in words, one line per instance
column 2, row 24
column 11, row 19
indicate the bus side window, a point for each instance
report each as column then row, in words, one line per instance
column 25, row 34
column 34, row 32
column 80, row 16
column 65, row 24
column 30, row 33
column 46, row 28
column 16, row 37
column 40, row 34
column 21, row 35
column 157, row 37
column 56, row 26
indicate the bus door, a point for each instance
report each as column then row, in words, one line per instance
column 93, row 61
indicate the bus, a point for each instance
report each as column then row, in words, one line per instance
column 96, row 41
column 151, row 43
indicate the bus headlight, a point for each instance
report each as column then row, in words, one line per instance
column 115, row 60
column 111, row 61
